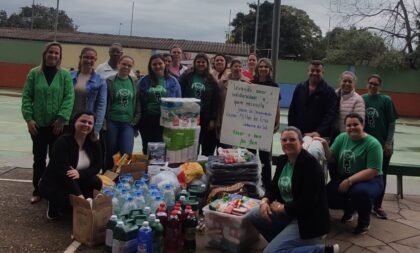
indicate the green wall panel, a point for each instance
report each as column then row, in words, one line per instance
column 21, row 51
column 407, row 81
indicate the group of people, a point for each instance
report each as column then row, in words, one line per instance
column 56, row 103
column 109, row 107
column 356, row 133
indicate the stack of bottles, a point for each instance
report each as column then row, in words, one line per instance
column 149, row 219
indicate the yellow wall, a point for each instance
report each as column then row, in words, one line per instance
column 71, row 54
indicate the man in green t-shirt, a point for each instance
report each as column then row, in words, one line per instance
column 380, row 123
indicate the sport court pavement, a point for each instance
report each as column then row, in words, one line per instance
column 24, row 227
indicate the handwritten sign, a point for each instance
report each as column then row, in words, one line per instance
column 249, row 115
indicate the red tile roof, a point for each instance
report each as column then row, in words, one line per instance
column 126, row 41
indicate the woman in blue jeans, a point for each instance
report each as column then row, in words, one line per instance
column 123, row 111
column 156, row 85
column 293, row 215
column 358, row 180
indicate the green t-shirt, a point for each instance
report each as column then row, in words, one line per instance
column 197, row 87
column 122, row 107
column 285, row 183
column 380, row 112
column 354, row 156
column 154, row 94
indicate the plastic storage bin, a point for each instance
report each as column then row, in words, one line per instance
column 228, row 232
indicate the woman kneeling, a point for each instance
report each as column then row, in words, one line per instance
column 293, row 216
column 358, row 179
column 76, row 159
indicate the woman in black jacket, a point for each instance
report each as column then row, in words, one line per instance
column 199, row 83
column 76, row 159
column 293, row 216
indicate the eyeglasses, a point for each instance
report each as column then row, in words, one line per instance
column 263, row 66
column 374, row 84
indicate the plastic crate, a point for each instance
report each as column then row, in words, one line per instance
column 228, row 232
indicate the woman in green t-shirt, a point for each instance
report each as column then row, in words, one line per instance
column 123, row 111
column 156, row 85
column 358, row 179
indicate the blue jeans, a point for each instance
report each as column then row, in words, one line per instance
column 120, row 138
column 359, row 197
column 282, row 233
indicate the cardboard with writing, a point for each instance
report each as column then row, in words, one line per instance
column 89, row 222
column 249, row 115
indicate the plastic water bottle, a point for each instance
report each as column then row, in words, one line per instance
column 190, row 225
column 172, row 233
column 128, row 205
column 169, row 196
column 151, row 219
column 109, row 233
column 116, row 204
column 156, row 203
column 158, row 235
column 146, row 211
column 145, row 239
column 139, row 200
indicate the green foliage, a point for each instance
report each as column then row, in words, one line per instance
column 300, row 37
column 353, row 46
column 44, row 18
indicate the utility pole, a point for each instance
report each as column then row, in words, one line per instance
column 230, row 13
column 119, row 29
column 132, row 14
column 32, row 19
column 56, row 21
column 275, row 36
column 256, row 27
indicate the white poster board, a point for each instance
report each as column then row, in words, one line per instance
column 249, row 115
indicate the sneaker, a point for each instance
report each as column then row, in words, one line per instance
column 35, row 199
column 52, row 212
column 332, row 248
column 380, row 213
column 361, row 229
column 347, row 217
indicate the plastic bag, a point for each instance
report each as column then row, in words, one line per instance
column 166, row 177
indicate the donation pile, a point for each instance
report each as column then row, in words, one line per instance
column 152, row 214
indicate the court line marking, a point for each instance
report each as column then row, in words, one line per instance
column 72, row 247
column 15, row 180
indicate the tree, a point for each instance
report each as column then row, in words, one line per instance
column 3, row 18
column 44, row 18
column 394, row 20
column 353, row 46
column 299, row 36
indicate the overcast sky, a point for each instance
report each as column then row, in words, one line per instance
column 205, row 20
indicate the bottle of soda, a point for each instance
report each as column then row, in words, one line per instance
column 109, row 233
column 172, row 233
column 145, row 239
column 181, row 218
column 158, row 242
column 190, row 225
column 162, row 216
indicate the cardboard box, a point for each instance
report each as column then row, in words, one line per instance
column 137, row 169
column 89, row 222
